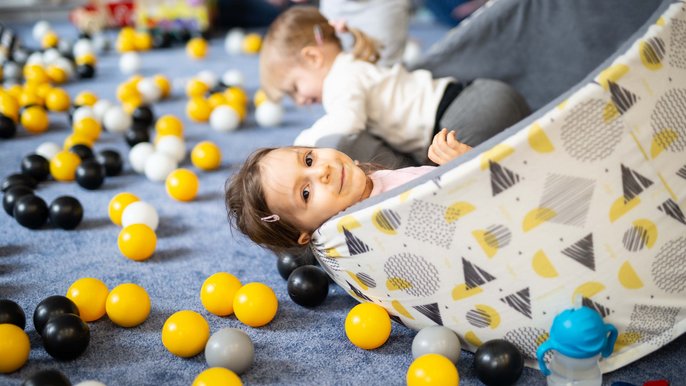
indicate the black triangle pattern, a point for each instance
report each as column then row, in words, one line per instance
column 358, row 292
column 520, row 301
column 682, row 172
column 431, row 311
column 621, row 97
column 474, row 276
column 671, row 209
column 633, row 183
column 501, row 178
column 601, row 309
column 355, row 245
column 582, row 251
column 654, row 50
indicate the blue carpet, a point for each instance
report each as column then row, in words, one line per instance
column 300, row 347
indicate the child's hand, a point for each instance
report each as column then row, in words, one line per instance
column 445, row 147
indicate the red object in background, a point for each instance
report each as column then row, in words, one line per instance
column 660, row 382
column 117, row 13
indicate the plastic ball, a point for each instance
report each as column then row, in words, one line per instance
column 51, row 307
column 143, row 116
column 150, row 90
column 368, row 326
column 63, row 166
column 163, row 83
column 269, row 114
column 236, row 96
column 116, row 120
column 498, row 362
column 12, row 313
column 139, row 154
column 128, row 305
column 117, row 205
column 286, row 263
column 140, row 212
column 308, row 286
column 230, row 348
column 84, row 152
column 11, row 71
column 81, row 112
column 172, row 146
column 129, row 63
column 161, row 39
column 16, row 179
column 218, row 291
column 90, row 295
column 58, row 100
column 87, row 127
column 90, row 174
column 111, row 160
column 85, row 71
column 36, row 166
column 217, row 376
column 86, row 59
column 233, row 78
column 436, row 340
column 142, row 40
column 255, row 304
column 260, row 96
column 66, row 336
column 40, row 29
column 182, row 184
column 198, row 109
column 48, row 150
column 224, row 119
column 137, row 242
column 76, row 140
column 85, row 98
column 30, row 211
column 57, row 74
column 50, row 39
column 197, row 48
column 7, row 127
column 158, row 166
column 208, row 77
column 9, row 107
column 52, row 377
column 169, row 125
column 12, row 195
column 14, row 348
column 100, row 108
column 206, row 155
column 185, row 333
column 252, row 43
column 83, row 47
column 196, row 88
column 66, row 212
column 35, row 119
column 137, row 135
column 233, row 43
column 432, row 370
column 90, row 383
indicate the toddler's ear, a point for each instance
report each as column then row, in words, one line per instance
column 304, row 238
column 312, row 56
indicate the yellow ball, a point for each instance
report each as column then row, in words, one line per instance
column 89, row 295
column 217, row 376
column 77, row 139
column 368, row 326
column 260, row 96
column 169, row 125
column 128, row 305
column 126, row 91
column 50, row 40
column 198, row 109
column 43, row 89
column 216, row 99
column 9, row 106
column 117, row 205
column 87, row 127
column 88, row 58
column 196, row 48
column 126, row 40
column 432, row 370
column 252, row 43
column 218, row 291
column 35, row 74
column 30, row 97
column 58, row 100
column 196, row 88
column 163, row 83
column 56, row 74
column 239, row 108
column 185, row 333
column 236, row 95
column 182, row 185
column 132, row 103
column 255, row 304
column 142, row 41
column 85, row 98
column 35, row 119
column 137, row 242
column 63, row 166
column 14, row 348
column 206, row 156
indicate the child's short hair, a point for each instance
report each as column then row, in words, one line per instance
column 246, row 207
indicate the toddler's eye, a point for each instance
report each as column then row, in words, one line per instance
column 308, row 159
column 306, row 193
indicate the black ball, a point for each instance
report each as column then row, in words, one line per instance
column 83, row 151
column 161, row 39
column 85, row 71
column 140, row 126
column 66, row 212
column 49, row 377
column 498, row 363
column 66, row 336
column 90, row 174
column 8, row 128
column 36, row 166
column 11, row 312
column 143, row 115
column 31, row 211
column 18, row 179
column 308, row 286
column 111, row 160
column 182, row 35
column 9, row 200
column 287, row 262
column 50, row 307
column 70, row 113
column 134, row 137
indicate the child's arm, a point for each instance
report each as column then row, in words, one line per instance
column 445, row 147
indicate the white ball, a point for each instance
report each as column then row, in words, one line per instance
column 20, row 55
column 224, row 118
column 412, row 52
column 139, row 154
column 40, row 28
column 65, row 47
column 36, row 58
column 48, row 150
column 83, row 47
column 100, row 108
column 269, row 114
column 117, row 120
column 66, row 65
column 149, row 90
column 140, row 212
column 101, row 42
column 172, row 146
column 233, row 78
column 233, row 43
column 11, row 70
column 158, row 166
column 129, row 63
column 90, row 383
column 208, row 77
column 50, row 56
column 82, row 112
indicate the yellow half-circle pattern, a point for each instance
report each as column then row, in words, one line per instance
column 536, row 217
column 486, row 241
column 458, row 210
column 357, row 280
column 378, row 220
column 619, row 208
column 650, row 229
column 332, row 252
column 538, row 140
column 661, row 140
column 472, row 339
column 404, row 196
column 347, row 222
column 645, row 52
column 397, row 283
column 497, row 153
column 562, row 104
column 588, row 289
column 610, row 112
column 613, row 74
column 462, row 292
column 660, row 21
column 542, row 265
column 628, row 277
column 493, row 315
column 625, row 339
column 401, row 309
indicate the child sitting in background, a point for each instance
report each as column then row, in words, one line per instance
column 302, row 57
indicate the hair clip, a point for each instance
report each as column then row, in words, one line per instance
column 271, row 218
column 318, row 36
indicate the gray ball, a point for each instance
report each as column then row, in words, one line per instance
column 230, row 348
column 436, row 340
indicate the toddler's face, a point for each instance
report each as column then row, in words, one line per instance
column 307, row 186
column 304, row 85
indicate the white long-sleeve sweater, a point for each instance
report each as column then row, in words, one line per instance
column 392, row 103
